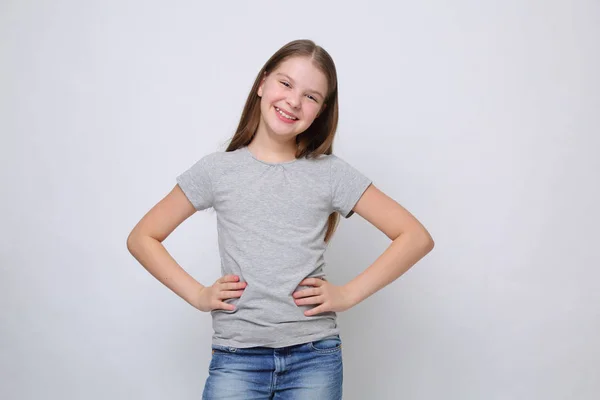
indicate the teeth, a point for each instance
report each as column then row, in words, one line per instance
column 284, row 114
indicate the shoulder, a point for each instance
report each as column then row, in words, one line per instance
column 217, row 159
column 339, row 164
column 342, row 171
column 326, row 159
column 332, row 164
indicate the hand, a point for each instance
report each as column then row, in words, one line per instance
column 210, row 297
column 329, row 296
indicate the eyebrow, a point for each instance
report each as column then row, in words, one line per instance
column 310, row 90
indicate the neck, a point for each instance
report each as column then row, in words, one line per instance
column 273, row 150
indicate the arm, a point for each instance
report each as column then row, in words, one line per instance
column 410, row 242
column 145, row 244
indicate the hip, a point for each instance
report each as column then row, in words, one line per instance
column 308, row 370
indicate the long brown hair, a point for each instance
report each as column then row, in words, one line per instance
column 317, row 139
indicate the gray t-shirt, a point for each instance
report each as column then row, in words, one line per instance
column 271, row 222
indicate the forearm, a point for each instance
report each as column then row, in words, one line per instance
column 155, row 258
column 401, row 255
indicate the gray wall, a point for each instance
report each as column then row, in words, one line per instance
column 480, row 117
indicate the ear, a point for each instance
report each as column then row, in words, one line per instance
column 260, row 91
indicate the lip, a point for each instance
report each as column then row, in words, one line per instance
column 287, row 112
column 284, row 119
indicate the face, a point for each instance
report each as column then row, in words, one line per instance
column 296, row 89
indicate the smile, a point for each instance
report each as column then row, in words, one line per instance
column 282, row 113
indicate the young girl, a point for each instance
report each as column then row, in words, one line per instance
column 278, row 191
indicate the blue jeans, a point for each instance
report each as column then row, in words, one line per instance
column 308, row 371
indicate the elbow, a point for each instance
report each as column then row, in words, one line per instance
column 423, row 241
column 133, row 242
column 420, row 239
column 429, row 244
column 427, row 240
column 130, row 243
column 137, row 240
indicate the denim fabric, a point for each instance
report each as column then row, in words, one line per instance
column 309, row 371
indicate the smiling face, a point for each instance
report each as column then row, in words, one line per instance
column 292, row 96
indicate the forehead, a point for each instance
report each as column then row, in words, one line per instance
column 304, row 72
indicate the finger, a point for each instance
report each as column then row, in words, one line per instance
column 221, row 305
column 233, row 286
column 229, row 294
column 311, row 300
column 316, row 310
column 307, row 292
column 228, row 278
column 312, row 282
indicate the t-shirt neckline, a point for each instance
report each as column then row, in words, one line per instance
column 247, row 151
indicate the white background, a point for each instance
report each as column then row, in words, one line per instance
column 480, row 117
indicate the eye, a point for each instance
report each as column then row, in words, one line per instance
column 284, row 83
column 311, row 97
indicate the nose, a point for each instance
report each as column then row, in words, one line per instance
column 294, row 100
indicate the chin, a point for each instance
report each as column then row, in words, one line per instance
column 282, row 131
column 288, row 135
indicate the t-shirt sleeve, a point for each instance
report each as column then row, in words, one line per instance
column 347, row 186
column 196, row 184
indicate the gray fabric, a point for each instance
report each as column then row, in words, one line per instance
column 271, row 222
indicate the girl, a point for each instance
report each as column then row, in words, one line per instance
column 277, row 191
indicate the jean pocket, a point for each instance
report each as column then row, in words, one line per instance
column 327, row 345
column 217, row 348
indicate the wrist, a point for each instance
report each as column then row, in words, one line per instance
column 351, row 294
column 195, row 296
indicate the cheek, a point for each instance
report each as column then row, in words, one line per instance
column 266, row 101
column 311, row 110
column 271, row 92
